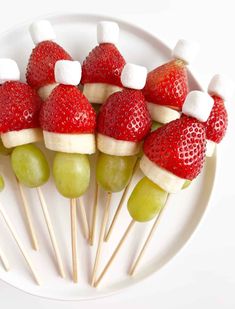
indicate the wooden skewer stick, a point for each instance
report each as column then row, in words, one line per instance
column 119, row 246
column 73, row 216
column 121, row 203
column 85, row 224
column 51, row 232
column 146, row 244
column 28, row 216
column 4, row 260
column 20, row 245
column 101, row 237
column 94, row 215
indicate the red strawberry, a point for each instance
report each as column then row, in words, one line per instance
column 19, row 107
column 40, row 69
column 217, row 123
column 124, row 116
column 67, row 111
column 167, row 85
column 104, row 64
column 178, row 147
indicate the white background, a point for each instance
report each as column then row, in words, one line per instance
column 203, row 274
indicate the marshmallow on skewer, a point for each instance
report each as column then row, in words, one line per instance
column 107, row 32
column 42, row 30
column 221, row 86
column 185, row 50
column 134, row 76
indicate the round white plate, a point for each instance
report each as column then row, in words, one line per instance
column 77, row 34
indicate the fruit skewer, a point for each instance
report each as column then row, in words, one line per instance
column 19, row 127
column 68, row 122
column 172, row 154
column 101, row 72
column 122, row 124
column 165, row 92
column 220, row 88
column 41, row 64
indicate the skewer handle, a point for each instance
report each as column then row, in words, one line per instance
column 101, row 237
column 119, row 246
column 28, row 216
column 20, row 245
column 146, row 244
column 73, row 216
column 85, row 223
column 4, row 260
column 51, row 232
column 94, row 215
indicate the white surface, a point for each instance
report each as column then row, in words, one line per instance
column 202, row 276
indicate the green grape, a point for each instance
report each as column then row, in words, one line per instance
column 30, row 165
column 156, row 125
column 113, row 173
column 3, row 150
column 2, row 184
column 186, row 184
column 146, row 200
column 71, row 172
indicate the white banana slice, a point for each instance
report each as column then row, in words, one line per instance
column 164, row 179
column 70, row 143
column 22, row 137
column 45, row 91
column 210, row 148
column 99, row 92
column 161, row 113
column 112, row 146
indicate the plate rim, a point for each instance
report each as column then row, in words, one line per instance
column 60, row 14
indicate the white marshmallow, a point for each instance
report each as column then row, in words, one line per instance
column 134, row 76
column 68, row 72
column 41, row 30
column 198, row 104
column 221, row 86
column 185, row 50
column 8, row 70
column 107, row 32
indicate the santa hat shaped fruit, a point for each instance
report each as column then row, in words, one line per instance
column 220, row 89
column 124, row 120
column 101, row 70
column 167, row 85
column 67, row 118
column 40, row 69
column 19, row 107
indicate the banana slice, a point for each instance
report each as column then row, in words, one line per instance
column 70, row 143
column 116, row 147
column 99, row 92
column 22, row 137
column 210, row 148
column 164, row 179
column 45, row 91
column 161, row 113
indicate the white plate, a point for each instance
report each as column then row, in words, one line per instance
column 77, row 34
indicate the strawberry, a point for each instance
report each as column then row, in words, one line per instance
column 167, row 85
column 19, row 107
column 179, row 147
column 124, row 116
column 217, row 123
column 67, row 111
column 104, row 64
column 40, row 69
